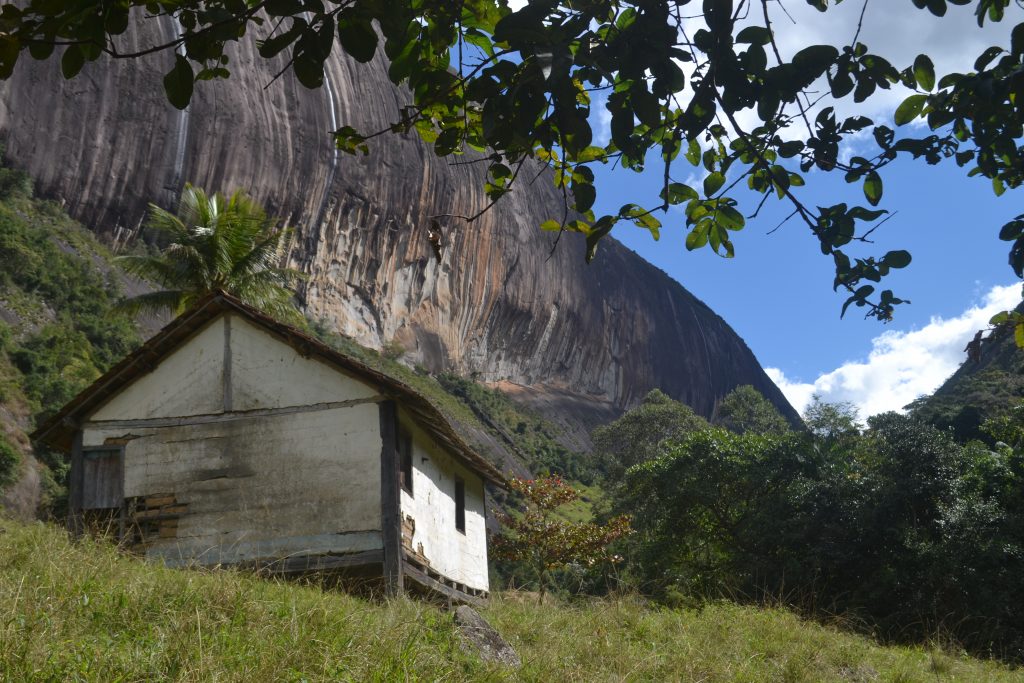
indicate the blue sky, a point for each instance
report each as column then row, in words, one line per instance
column 777, row 291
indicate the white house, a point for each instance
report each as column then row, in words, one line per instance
column 232, row 439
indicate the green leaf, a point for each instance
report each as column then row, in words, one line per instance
column 713, row 183
column 482, row 41
column 815, row 59
column 283, row 8
column 40, row 50
column 349, row 140
column 1012, row 230
column 754, row 35
column 924, row 72
column 697, row 238
column 9, row 51
column 591, row 154
column 909, row 109
column 693, row 152
column 873, row 187
column 730, row 218
column 272, row 46
column 551, row 225
column 986, row 57
column 1018, row 335
column 309, row 71
column 357, row 37
column 584, row 195
column 73, row 61
column 790, row 149
column 179, row 82
column 679, row 193
column 602, row 227
column 897, row 259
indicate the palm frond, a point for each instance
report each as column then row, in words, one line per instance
column 154, row 302
column 216, row 242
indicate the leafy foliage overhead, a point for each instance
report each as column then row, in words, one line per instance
column 519, row 85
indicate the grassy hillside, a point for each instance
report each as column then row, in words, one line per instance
column 84, row 612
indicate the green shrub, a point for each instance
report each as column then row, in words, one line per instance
column 10, row 460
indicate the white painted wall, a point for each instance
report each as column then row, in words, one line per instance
column 459, row 556
column 270, row 486
column 261, row 487
column 186, row 382
column 267, row 373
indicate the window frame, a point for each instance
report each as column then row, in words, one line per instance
column 460, row 505
column 405, row 466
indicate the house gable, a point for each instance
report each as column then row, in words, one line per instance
column 266, row 373
column 230, row 365
column 187, row 381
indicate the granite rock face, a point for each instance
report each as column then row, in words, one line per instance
column 504, row 305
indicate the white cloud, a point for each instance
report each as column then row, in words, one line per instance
column 897, row 31
column 901, row 365
column 602, row 120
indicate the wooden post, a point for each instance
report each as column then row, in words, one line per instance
column 390, row 517
column 75, row 486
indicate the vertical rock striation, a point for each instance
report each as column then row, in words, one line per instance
column 504, row 305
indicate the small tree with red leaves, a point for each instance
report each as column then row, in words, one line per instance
column 545, row 542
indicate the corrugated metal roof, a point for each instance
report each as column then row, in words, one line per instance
column 59, row 429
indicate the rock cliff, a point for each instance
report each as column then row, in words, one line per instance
column 505, row 304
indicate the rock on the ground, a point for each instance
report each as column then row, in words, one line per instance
column 480, row 638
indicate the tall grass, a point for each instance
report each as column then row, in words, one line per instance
column 81, row 611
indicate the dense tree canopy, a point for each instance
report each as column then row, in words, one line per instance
column 637, row 435
column 745, row 409
column 518, row 85
column 897, row 524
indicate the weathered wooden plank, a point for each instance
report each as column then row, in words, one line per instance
column 228, row 417
column 75, row 522
column 311, row 563
column 391, row 531
column 433, row 585
column 102, row 479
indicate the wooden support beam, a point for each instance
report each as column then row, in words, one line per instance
column 431, row 584
column 390, row 517
column 314, row 563
column 155, row 422
column 76, row 524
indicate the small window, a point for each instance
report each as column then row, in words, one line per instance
column 405, row 462
column 460, row 505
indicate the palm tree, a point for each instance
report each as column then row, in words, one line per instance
column 215, row 243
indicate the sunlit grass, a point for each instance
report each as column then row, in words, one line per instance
column 84, row 612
